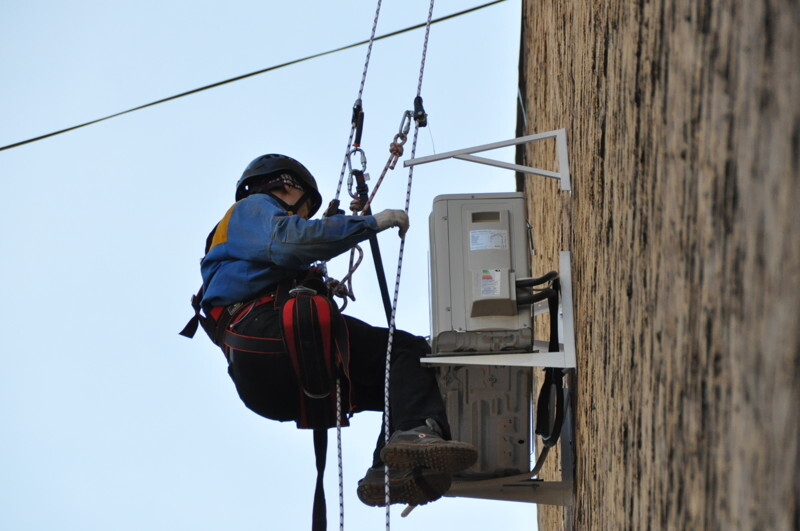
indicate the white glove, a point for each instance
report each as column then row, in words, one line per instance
column 392, row 218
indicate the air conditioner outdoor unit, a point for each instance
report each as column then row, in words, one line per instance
column 479, row 248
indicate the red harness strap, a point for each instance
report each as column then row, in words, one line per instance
column 315, row 336
column 253, row 344
column 218, row 321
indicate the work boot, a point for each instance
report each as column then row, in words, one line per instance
column 424, row 446
column 412, row 487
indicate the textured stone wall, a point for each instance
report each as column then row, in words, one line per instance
column 683, row 125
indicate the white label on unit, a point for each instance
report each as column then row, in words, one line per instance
column 490, row 283
column 482, row 240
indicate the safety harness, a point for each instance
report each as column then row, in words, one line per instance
column 315, row 336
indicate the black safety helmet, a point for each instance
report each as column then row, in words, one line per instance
column 280, row 164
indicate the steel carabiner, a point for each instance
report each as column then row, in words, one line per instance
column 405, row 124
column 396, row 146
column 350, row 170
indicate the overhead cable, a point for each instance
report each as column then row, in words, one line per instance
column 251, row 74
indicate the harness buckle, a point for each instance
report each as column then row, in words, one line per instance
column 317, row 397
column 302, row 290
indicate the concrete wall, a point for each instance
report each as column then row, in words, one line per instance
column 683, row 124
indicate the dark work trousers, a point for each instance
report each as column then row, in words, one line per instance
column 266, row 383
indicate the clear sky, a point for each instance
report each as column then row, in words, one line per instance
column 110, row 419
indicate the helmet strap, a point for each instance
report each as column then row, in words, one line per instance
column 295, row 207
column 291, row 209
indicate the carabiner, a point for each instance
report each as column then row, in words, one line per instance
column 396, row 147
column 405, row 124
column 350, row 169
column 302, row 290
column 363, row 159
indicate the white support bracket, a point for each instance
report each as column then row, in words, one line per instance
column 468, row 154
column 564, row 358
column 523, row 487
column 519, row 488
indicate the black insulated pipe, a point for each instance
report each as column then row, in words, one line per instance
column 550, row 405
column 530, row 282
column 525, row 300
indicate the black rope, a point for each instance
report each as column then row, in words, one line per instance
column 319, row 519
column 363, row 192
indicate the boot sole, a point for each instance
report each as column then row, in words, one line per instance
column 405, row 491
column 448, row 457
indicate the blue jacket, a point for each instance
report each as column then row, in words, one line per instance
column 258, row 244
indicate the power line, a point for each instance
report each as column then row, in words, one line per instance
column 251, row 74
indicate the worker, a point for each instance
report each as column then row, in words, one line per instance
column 262, row 249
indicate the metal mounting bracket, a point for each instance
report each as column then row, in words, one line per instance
column 560, row 136
column 522, row 487
column 483, row 389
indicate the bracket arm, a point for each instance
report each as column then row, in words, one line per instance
column 467, row 154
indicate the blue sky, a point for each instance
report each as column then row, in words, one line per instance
column 110, row 419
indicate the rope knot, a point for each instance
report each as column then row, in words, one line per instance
column 396, row 149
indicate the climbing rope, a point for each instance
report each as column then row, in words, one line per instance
column 339, row 451
column 357, row 121
column 420, row 121
column 345, row 287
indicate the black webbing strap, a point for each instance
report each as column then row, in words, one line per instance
column 363, row 195
column 257, row 345
column 215, row 328
column 319, row 518
column 191, row 327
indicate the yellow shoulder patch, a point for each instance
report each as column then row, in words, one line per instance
column 221, row 234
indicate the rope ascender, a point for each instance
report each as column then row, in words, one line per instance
column 357, row 178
